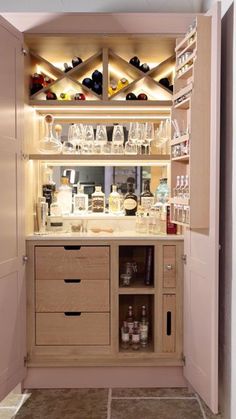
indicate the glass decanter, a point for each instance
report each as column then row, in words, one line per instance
column 49, row 144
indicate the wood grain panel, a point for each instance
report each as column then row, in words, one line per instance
column 59, row 329
column 87, row 262
column 169, row 323
column 58, row 295
column 169, row 266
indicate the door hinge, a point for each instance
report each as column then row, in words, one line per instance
column 24, row 156
column 24, row 51
column 184, row 259
column 25, row 258
column 26, row 359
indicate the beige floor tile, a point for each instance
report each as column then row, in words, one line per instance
column 151, row 392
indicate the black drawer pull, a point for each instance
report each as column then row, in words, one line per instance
column 72, row 281
column 168, row 323
column 72, row 313
column 72, row 247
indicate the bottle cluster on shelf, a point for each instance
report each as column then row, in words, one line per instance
column 135, row 333
column 181, row 149
column 84, row 139
column 181, row 208
column 134, row 271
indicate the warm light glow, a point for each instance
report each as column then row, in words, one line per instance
column 118, row 73
column 102, row 163
column 42, row 70
column 111, row 117
column 103, row 108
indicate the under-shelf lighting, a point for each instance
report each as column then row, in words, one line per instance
column 111, row 117
column 102, row 108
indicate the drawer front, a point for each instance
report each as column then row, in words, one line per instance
column 62, row 329
column 169, row 323
column 72, row 262
column 169, row 266
column 72, row 295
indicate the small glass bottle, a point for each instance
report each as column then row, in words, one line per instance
column 125, row 339
column 181, row 188
column 42, row 212
column 177, row 186
column 136, row 337
column 64, row 197
column 80, row 200
column 114, row 201
column 186, row 188
column 146, row 197
column 143, row 327
column 130, row 201
column 98, row 200
column 130, row 320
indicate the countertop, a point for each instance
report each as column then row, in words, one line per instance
column 124, row 235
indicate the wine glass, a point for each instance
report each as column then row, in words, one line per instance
column 148, row 136
column 140, row 136
column 131, row 146
column 79, row 137
column 88, row 143
column 101, row 138
column 118, row 139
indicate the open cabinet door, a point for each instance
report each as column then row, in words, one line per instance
column 202, row 251
column 12, row 286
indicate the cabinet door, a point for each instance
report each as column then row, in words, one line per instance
column 12, row 287
column 201, row 269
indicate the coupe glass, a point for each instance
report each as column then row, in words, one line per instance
column 118, row 139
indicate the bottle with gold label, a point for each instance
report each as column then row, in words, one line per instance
column 114, row 201
column 98, row 200
column 130, row 201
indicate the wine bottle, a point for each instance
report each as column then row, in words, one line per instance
column 142, row 96
column 48, row 188
column 131, row 96
column 143, row 327
column 97, row 88
column 147, row 197
column 67, row 68
column 79, row 96
column 130, row 201
column 97, row 76
column 88, row 82
column 122, row 83
column 135, row 61
column 76, row 61
column 51, row 96
column 144, row 67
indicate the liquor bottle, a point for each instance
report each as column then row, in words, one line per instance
column 143, row 327
column 186, row 188
column 136, row 337
column 48, row 187
column 181, row 188
column 130, row 320
column 88, row 82
column 67, row 68
column 135, row 61
column 76, row 61
column 142, row 96
column 80, row 200
column 42, row 212
column 130, row 201
column 147, row 197
column 122, row 83
column 171, row 228
column 131, row 96
column 98, row 200
column 65, row 196
column 176, row 188
column 125, row 339
column 144, row 67
column 114, row 201
column 97, row 76
column 148, row 266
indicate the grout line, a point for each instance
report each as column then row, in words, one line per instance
column 201, row 406
column 109, row 403
column 153, row 398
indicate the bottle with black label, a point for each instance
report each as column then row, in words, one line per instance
column 48, row 187
column 146, row 197
column 130, row 201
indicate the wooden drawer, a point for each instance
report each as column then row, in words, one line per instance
column 62, row 329
column 72, row 262
column 169, row 266
column 70, row 295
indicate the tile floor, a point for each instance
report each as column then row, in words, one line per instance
column 105, row 404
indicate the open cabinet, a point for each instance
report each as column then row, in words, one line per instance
column 200, row 308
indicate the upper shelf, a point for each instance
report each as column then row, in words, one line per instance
column 119, row 80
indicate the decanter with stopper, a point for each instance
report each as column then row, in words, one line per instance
column 49, row 144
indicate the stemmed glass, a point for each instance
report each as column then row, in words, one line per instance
column 118, row 139
column 100, row 139
column 131, row 146
column 68, row 146
column 88, row 143
column 148, row 136
column 140, row 137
